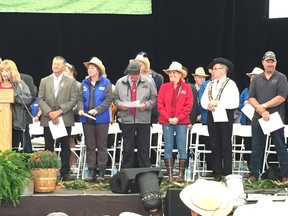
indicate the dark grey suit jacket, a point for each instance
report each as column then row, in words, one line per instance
column 66, row 99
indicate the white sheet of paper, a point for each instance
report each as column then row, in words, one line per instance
column 132, row 104
column 273, row 124
column 59, row 130
column 248, row 110
column 89, row 116
column 219, row 115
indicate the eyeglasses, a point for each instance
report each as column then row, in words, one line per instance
column 215, row 69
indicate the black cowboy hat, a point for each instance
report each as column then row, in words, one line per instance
column 224, row 61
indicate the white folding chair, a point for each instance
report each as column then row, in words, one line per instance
column 114, row 130
column 240, row 132
column 157, row 129
column 79, row 149
column 199, row 149
column 270, row 149
column 37, row 136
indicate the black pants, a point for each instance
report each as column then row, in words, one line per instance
column 220, row 134
column 23, row 137
column 141, row 141
column 65, row 148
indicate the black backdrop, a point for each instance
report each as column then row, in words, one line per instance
column 192, row 32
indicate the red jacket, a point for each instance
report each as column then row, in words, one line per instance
column 184, row 103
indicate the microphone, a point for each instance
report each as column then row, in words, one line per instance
column 5, row 75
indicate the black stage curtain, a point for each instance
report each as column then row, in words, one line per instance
column 192, row 32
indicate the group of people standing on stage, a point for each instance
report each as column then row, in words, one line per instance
column 141, row 98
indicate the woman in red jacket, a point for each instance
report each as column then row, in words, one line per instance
column 175, row 101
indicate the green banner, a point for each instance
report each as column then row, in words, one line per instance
column 77, row 6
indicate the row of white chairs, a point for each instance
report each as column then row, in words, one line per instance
column 196, row 149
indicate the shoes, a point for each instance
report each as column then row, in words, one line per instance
column 92, row 175
column 217, row 178
column 209, row 174
column 252, row 179
column 67, row 177
column 100, row 179
column 285, row 179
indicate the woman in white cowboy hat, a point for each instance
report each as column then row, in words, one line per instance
column 96, row 98
column 207, row 198
column 175, row 101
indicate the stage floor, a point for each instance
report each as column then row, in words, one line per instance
column 75, row 203
column 94, row 202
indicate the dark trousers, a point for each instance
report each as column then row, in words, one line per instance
column 23, row 137
column 65, row 148
column 96, row 137
column 220, row 134
column 136, row 136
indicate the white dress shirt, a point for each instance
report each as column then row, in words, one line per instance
column 229, row 98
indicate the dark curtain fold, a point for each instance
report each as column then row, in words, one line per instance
column 192, row 32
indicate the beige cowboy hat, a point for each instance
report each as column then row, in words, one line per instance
column 200, row 72
column 143, row 59
column 255, row 71
column 176, row 66
column 208, row 198
column 96, row 62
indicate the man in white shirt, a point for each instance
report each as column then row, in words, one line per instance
column 221, row 98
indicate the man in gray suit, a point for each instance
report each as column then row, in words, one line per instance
column 57, row 96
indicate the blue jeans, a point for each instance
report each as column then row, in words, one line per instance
column 258, row 148
column 180, row 132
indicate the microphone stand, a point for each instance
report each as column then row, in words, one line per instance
column 26, row 108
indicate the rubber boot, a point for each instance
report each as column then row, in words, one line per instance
column 169, row 167
column 180, row 177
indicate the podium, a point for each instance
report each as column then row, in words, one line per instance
column 6, row 100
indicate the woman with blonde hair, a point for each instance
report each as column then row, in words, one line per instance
column 10, row 79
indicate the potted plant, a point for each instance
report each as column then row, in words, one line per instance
column 44, row 166
column 13, row 176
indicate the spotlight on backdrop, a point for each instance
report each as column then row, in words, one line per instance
column 145, row 181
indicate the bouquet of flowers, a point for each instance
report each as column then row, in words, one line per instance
column 43, row 159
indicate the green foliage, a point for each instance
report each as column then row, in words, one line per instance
column 80, row 184
column 265, row 184
column 13, row 176
column 43, row 159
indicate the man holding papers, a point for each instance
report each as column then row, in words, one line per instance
column 135, row 119
column 220, row 98
column 267, row 95
column 57, row 97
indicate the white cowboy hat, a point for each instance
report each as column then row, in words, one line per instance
column 255, row 71
column 143, row 59
column 200, row 72
column 176, row 66
column 96, row 62
column 208, row 198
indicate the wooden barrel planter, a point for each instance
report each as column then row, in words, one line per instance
column 44, row 180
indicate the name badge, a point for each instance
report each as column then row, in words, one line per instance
column 102, row 88
column 183, row 92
